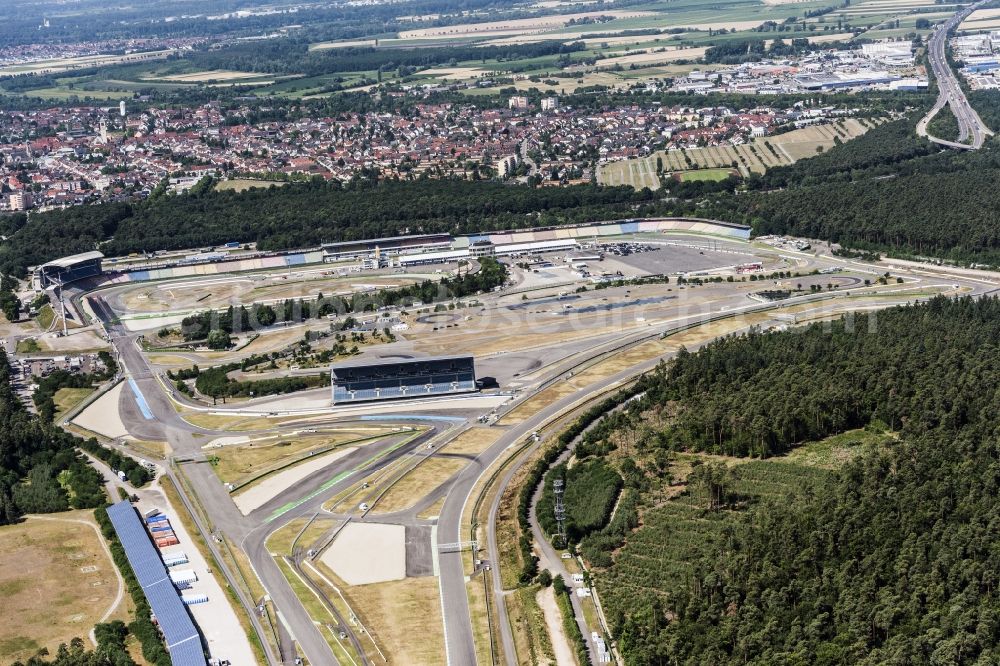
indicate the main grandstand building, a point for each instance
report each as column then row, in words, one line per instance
column 67, row 269
column 390, row 379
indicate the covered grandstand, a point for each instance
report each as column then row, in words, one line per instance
column 391, row 245
column 68, row 269
column 391, row 379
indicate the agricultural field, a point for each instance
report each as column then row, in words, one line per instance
column 981, row 19
column 705, row 174
column 244, row 184
column 208, row 76
column 755, row 157
column 672, row 31
column 56, row 581
column 58, row 65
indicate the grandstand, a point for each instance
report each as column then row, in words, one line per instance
column 390, row 379
column 67, row 269
column 391, row 245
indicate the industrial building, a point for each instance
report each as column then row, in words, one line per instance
column 843, row 80
column 389, row 379
column 179, row 633
column 67, row 269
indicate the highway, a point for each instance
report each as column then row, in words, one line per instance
column 972, row 131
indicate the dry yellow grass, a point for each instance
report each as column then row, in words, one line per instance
column 239, row 463
column 433, row 511
column 341, row 44
column 169, row 359
column 404, row 616
column 244, row 184
column 206, row 76
column 531, row 640
column 989, row 24
column 651, row 56
column 56, row 582
column 279, row 542
column 479, row 615
column 538, row 402
column 148, row 448
column 235, row 421
column 427, row 476
column 473, row 441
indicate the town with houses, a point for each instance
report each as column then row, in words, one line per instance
column 65, row 156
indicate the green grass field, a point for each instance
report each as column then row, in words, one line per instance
column 68, row 398
column 45, row 317
column 705, row 174
column 244, row 184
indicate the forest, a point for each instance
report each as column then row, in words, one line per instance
column 40, row 470
column 290, row 56
column 887, row 557
column 591, row 490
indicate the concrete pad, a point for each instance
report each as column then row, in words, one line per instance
column 270, row 487
column 419, row 561
column 102, row 416
column 368, row 553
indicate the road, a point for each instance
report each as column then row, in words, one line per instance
column 972, row 131
column 250, row 532
column 526, row 158
column 170, row 427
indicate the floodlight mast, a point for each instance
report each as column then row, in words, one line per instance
column 558, row 488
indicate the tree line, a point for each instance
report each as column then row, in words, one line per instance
column 293, row 56
column 306, row 214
